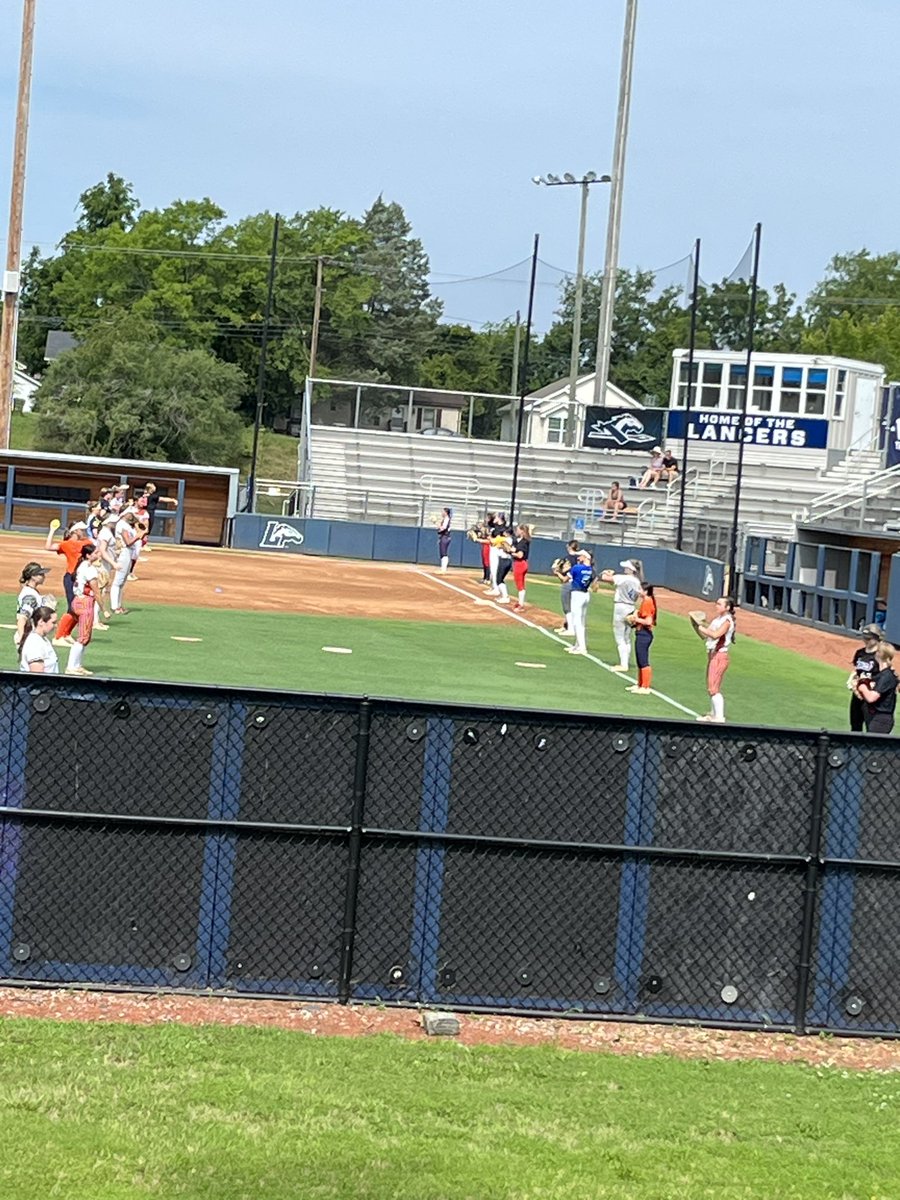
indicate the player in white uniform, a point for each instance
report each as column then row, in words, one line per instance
column 29, row 598
column 36, row 653
column 125, row 539
column 627, row 595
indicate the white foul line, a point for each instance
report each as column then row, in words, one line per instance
column 553, row 638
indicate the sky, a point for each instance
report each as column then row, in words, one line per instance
column 779, row 111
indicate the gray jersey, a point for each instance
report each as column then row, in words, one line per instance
column 628, row 590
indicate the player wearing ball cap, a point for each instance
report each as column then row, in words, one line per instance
column 865, row 668
column 70, row 548
column 627, row 594
column 30, row 597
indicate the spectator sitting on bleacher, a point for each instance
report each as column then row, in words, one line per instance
column 651, row 476
column 614, row 502
column 669, row 467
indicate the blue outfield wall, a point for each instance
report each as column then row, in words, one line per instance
column 687, row 573
column 354, row 848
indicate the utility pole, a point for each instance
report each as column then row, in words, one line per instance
column 261, row 370
column 14, row 240
column 317, row 312
column 611, row 262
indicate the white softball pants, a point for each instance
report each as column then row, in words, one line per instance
column 578, row 617
column 622, row 632
column 123, row 568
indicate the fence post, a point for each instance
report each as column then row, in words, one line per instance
column 354, row 849
column 811, row 882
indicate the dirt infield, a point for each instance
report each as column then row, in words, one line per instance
column 265, row 581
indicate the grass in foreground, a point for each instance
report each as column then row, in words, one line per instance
column 111, row 1111
column 457, row 662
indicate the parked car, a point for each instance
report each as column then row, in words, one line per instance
column 439, row 431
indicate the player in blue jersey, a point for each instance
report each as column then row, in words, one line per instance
column 582, row 578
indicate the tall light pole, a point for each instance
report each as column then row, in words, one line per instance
column 589, row 177
column 14, row 241
column 611, row 261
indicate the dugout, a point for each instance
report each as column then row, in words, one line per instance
column 36, row 487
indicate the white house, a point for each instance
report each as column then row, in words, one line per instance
column 547, row 410
column 24, row 388
column 806, row 409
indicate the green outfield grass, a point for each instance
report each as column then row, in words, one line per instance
column 458, row 662
column 107, row 1112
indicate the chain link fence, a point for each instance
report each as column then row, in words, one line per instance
column 372, row 850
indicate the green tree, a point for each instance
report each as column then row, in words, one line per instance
column 110, row 202
column 855, row 310
column 723, row 318
column 127, row 393
column 402, row 315
column 158, row 268
column 646, row 329
column 860, row 283
column 239, row 305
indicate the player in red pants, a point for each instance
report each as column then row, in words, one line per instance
column 521, row 545
column 85, row 579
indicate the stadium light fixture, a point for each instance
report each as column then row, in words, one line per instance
column 573, row 421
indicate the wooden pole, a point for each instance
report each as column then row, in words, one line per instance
column 14, row 240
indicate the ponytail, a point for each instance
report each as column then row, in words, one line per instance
column 42, row 613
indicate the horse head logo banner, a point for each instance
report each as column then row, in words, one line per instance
column 622, row 428
column 709, row 581
column 279, row 535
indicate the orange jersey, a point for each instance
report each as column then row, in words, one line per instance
column 71, row 551
column 647, row 610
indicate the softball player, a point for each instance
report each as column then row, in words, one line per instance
column 29, row 598
column 496, row 530
column 865, row 668
column 443, row 533
column 85, row 598
column 719, row 635
column 125, row 539
column 644, row 623
column 627, row 595
column 561, row 568
column 70, row 548
column 521, row 545
column 581, row 574
column 880, row 693
column 36, row 654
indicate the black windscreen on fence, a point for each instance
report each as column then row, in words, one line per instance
column 355, row 849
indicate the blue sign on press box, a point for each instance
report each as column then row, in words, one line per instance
column 760, row 429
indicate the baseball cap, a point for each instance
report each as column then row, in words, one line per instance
column 871, row 631
column 32, row 569
column 627, row 564
column 78, row 525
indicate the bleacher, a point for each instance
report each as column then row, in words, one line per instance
column 404, row 478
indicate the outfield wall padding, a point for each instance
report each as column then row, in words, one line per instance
column 687, row 573
column 345, row 848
